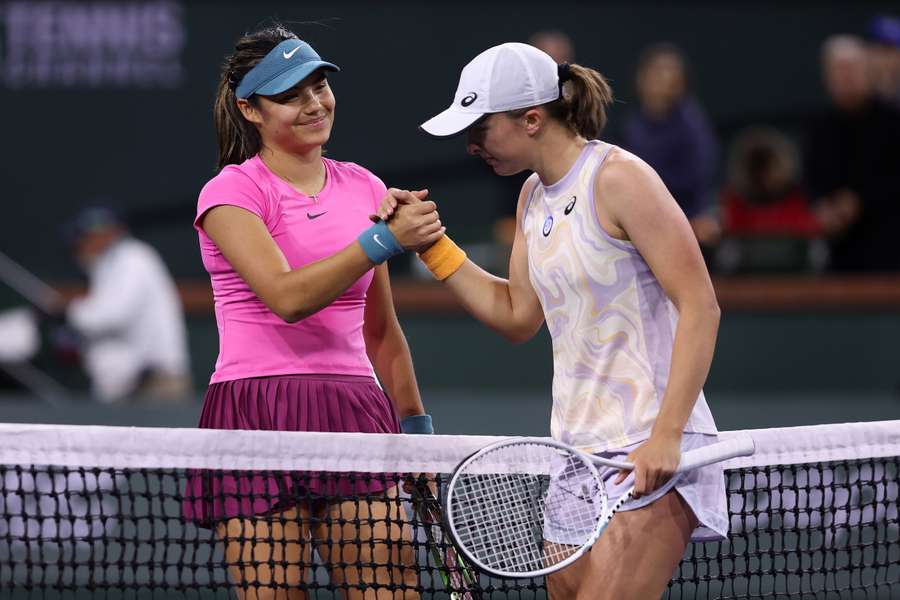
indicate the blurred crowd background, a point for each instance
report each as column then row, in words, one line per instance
column 775, row 125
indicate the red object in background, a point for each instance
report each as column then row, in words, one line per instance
column 789, row 216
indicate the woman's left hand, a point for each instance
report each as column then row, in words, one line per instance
column 654, row 462
column 393, row 199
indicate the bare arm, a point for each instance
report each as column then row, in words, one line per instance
column 387, row 348
column 508, row 306
column 640, row 209
column 661, row 233
column 294, row 294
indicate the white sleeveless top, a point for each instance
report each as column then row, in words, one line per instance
column 612, row 324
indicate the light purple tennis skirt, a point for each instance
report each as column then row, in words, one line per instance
column 703, row 490
column 338, row 403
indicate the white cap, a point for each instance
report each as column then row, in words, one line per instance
column 505, row 77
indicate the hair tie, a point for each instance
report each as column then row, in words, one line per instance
column 564, row 72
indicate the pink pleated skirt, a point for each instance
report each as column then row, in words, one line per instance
column 338, row 403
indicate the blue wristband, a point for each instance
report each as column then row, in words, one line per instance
column 379, row 243
column 417, row 424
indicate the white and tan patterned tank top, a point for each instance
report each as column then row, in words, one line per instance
column 612, row 324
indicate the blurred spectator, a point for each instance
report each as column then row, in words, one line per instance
column 671, row 132
column 854, row 153
column 555, row 43
column 131, row 320
column 884, row 57
column 767, row 219
column 763, row 195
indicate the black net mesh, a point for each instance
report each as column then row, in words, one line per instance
column 809, row 531
column 815, row 530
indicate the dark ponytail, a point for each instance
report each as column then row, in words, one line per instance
column 238, row 138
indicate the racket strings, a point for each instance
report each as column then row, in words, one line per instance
column 499, row 519
column 520, row 522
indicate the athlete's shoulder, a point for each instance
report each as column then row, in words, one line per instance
column 244, row 185
column 627, row 185
column 530, row 185
column 243, row 175
column 350, row 175
column 527, row 191
column 356, row 182
column 349, row 169
column 622, row 169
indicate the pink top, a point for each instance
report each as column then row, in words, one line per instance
column 254, row 341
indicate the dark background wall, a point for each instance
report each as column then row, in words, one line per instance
column 145, row 142
column 149, row 146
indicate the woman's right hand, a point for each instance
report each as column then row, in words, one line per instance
column 413, row 221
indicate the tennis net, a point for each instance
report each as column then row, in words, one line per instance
column 119, row 512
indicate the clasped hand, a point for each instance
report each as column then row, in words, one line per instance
column 412, row 219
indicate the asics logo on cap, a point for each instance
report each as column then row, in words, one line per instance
column 468, row 100
column 291, row 53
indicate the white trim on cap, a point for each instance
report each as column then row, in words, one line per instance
column 450, row 122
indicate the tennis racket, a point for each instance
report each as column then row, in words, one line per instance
column 528, row 507
column 459, row 579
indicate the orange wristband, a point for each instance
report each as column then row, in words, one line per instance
column 443, row 259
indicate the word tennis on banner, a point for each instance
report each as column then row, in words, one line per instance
column 54, row 44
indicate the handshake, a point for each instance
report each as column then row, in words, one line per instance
column 407, row 221
column 413, row 220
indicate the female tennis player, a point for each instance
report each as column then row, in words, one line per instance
column 305, row 314
column 603, row 254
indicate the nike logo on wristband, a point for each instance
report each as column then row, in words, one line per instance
column 377, row 241
column 311, row 216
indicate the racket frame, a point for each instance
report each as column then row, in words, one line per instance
column 524, row 441
column 692, row 459
column 458, row 577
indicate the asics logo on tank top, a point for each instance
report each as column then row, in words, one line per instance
column 571, row 205
column 468, row 100
column 548, row 225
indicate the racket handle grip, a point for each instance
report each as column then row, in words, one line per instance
column 730, row 448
